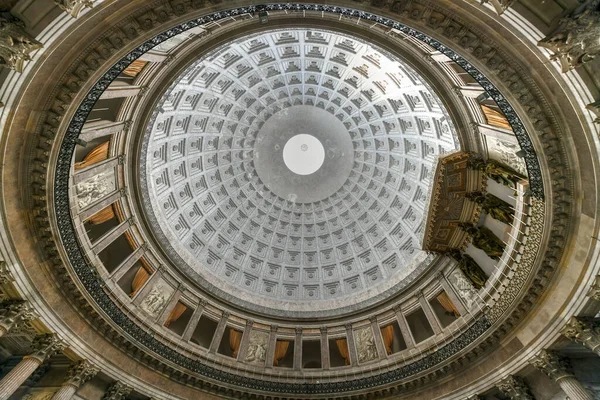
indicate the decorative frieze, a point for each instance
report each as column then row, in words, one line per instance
column 15, row 42
column 575, row 40
column 585, row 331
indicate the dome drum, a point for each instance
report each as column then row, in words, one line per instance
column 325, row 208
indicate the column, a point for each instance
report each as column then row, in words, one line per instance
column 114, row 92
column 107, row 201
column 216, row 340
column 78, row 374
column 13, row 314
column 191, row 327
column 271, row 348
column 558, row 369
column 298, row 349
column 325, row 364
column 245, row 341
column 109, row 237
column 117, row 391
column 406, row 333
column 433, row 321
column 515, row 388
column 584, row 331
column 378, row 338
column 101, row 167
column 44, row 346
column 96, row 129
column 351, row 346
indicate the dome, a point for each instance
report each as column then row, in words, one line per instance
column 347, row 200
column 234, row 215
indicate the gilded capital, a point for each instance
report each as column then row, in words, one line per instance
column 80, row 373
column 45, row 346
column 584, row 331
column 515, row 388
column 551, row 364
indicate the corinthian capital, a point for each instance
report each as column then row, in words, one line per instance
column 515, row 388
column 551, row 364
column 584, row 331
column 13, row 314
column 45, row 346
column 594, row 291
column 74, row 7
column 595, row 108
column 575, row 40
column 117, row 391
column 15, row 43
column 80, row 373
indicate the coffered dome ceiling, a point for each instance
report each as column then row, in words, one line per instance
column 218, row 170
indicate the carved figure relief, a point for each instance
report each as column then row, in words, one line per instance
column 95, row 188
column 365, row 345
column 505, row 152
column 464, row 288
column 575, row 41
column 15, row 43
column 257, row 349
column 156, row 300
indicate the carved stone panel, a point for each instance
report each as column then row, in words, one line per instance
column 95, row 188
column 505, row 151
column 156, row 300
column 365, row 345
column 464, row 288
column 257, row 348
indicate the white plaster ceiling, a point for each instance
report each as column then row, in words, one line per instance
column 226, row 225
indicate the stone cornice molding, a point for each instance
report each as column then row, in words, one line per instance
column 555, row 255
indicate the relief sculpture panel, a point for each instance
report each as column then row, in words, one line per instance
column 157, row 298
column 464, row 288
column 95, row 188
column 505, row 152
column 365, row 345
column 257, row 348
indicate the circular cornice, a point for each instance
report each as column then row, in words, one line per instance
column 511, row 81
column 94, row 286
